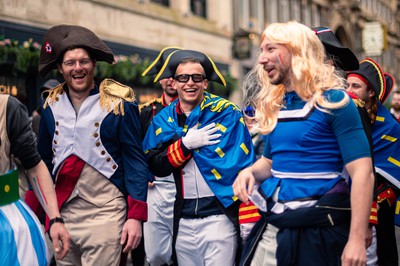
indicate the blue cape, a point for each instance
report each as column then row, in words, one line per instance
column 220, row 163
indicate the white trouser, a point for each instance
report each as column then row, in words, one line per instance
column 372, row 256
column 158, row 229
column 206, row 241
column 265, row 253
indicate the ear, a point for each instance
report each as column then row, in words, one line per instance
column 371, row 93
column 59, row 68
column 174, row 84
column 205, row 84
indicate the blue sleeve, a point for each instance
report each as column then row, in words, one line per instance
column 348, row 129
column 135, row 165
column 45, row 137
column 267, row 147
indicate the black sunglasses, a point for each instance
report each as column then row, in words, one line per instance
column 185, row 78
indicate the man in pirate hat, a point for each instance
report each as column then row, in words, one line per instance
column 373, row 86
column 161, row 192
column 203, row 141
column 342, row 57
column 90, row 139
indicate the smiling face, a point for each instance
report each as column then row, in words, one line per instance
column 276, row 61
column 169, row 91
column 77, row 69
column 190, row 93
column 360, row 88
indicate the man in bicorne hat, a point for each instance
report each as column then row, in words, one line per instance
column 90, row 139
column 203, row 141
column 373, row 86
column 161, row 192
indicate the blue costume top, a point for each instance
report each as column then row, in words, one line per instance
column 309, row 147
column 385, row 135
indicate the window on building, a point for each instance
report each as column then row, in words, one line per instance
column 198, row 8
column 284, row 11
column 306, row 13
column 295, row 9
column 271, row 11
column 161, row 2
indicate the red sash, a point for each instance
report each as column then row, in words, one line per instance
column 67, row 178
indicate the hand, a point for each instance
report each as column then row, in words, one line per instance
column 59, row 233
column 354, row 254
column 243, row 185
column 151, row 184
column 197, row 138
column 131, row 234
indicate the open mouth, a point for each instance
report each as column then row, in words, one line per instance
column 78, row 77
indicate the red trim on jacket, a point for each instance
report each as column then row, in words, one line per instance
column 248, row 213
column 373, row 218
column 175, row 155
column 137, row 209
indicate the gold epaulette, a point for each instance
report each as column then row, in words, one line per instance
column 155, row 100
column 113, row 92
column 53, row 94
column 358, row 102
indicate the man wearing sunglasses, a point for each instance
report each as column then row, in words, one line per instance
column 203, row 141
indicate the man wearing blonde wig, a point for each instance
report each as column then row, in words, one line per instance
column 311, row 216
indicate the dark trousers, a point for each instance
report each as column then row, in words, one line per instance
column 386, row 236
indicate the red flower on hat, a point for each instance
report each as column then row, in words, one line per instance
column 47, row 48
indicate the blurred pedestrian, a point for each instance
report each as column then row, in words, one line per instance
column 395, row 105
column 49, row 84
column 161, row 192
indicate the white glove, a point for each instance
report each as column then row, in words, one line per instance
column 196, row 138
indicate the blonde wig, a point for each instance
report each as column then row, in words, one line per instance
column 310, row 74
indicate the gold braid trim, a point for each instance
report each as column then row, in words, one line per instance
column 359, row 102
column 53, row 95
column 155, row 100
column 114, row 93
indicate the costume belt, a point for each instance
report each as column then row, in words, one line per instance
column 9, row 188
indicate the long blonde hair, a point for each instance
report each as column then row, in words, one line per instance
column 310, row 75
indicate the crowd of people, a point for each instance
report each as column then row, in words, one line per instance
column 306, row 172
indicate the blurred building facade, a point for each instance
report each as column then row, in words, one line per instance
column 370, row 28
column 227, row 30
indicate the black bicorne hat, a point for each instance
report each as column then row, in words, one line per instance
column 59, row 39
column 372, row 72
column 344, row 58
column 175, row 58
column 157, row 64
